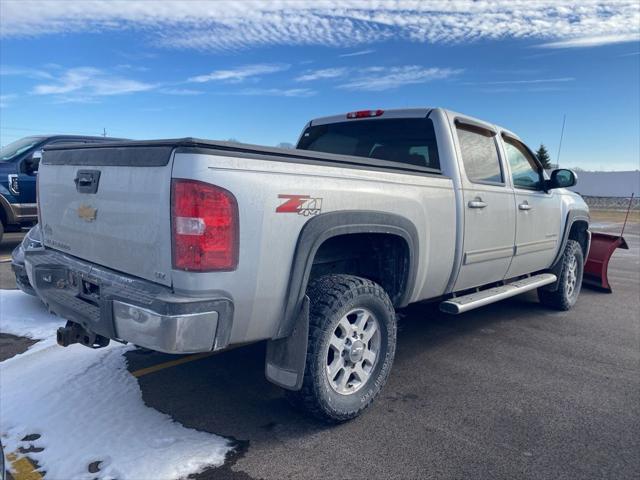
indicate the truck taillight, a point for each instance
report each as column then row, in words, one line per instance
column 365, row 113
column 205, row 227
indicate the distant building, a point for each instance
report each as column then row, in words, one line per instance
column 608, row 184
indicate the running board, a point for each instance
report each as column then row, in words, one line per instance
column 473, row 300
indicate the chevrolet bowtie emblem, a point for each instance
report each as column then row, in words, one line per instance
column 87, row 213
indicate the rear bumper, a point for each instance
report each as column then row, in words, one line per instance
column 128, row 309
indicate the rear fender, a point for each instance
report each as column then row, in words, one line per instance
column 322, row 227
column 286, row 352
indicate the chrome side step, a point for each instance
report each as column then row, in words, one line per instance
column 473, row 300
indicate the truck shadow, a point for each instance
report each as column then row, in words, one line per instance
column 227, row 394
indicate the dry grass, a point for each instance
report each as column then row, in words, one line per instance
column 614, row 216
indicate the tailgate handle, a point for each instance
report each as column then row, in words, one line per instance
column 87, row 181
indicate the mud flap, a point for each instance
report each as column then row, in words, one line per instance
column 595, row 269
column 286, row 357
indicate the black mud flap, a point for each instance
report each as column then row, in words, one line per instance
column 286, row 357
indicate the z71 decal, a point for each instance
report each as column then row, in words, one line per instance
column 300, row 204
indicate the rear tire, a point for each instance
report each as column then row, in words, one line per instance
column 569, row 280
column 352, row 343
column 1, row 231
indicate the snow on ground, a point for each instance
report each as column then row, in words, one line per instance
column 87, row 407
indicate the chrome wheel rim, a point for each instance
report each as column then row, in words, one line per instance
column 353, row 350
column 572, row 276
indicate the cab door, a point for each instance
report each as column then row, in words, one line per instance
column 538, row 218
column 489, row 215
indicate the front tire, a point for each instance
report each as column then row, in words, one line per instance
column 352, row 342
column 570, row 279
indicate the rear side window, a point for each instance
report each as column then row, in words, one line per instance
column 480, row 155
column 410, row 141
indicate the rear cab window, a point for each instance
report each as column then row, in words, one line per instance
column 408, row 141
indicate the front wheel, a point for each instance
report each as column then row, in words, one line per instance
column 352, row 342
column 569, row 279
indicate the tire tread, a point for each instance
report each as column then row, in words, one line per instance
column 327, row 296
column 558, row 299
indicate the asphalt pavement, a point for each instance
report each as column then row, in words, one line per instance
column 9, row 242
column 512, row 390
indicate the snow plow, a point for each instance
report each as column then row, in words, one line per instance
column 602, row 247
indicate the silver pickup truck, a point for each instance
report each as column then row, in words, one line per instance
column 191, row 245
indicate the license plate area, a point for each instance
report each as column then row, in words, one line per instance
column 88, row 290
column 68, row 282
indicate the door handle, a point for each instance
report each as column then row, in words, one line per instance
column 477, row 203
column 525, row 206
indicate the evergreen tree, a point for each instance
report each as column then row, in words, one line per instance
column 543, row 156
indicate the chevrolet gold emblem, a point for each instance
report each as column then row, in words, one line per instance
column 87, row 213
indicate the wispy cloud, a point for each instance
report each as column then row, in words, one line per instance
column 593, row 41
column 132, row 68
column 239, row 74
column 227, row 25
column 9, row 70
column 6, row 99
column 379, row 78
column 523, row 88
column 180, row 91
column 357, row 54
column 86, row 83
column 277, row 92
column 321, row 74
column 524, row 82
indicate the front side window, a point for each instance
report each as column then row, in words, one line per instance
column 524, row 169
column 410, row 141
column 479, row 155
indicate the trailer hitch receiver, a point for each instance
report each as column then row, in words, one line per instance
column 74, row 333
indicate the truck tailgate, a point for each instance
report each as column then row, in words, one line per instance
column 110, row 206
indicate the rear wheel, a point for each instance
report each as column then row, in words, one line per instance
column 1, row 231
column 570, row 279
column 352, row 340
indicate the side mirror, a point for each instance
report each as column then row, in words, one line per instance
column 561, row 178
column 32, row 163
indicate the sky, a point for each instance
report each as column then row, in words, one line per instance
column 257, row 71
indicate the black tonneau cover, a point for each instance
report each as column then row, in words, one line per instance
column 147, row 153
